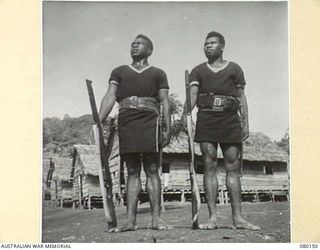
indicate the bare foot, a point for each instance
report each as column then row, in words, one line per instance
column 209, row 226
column 243, row 224
column 126, row 227
column 161, row 225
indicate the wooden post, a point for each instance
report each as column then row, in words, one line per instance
column 89, row 202
column 56, row 191
column 226, row 197
column 80, row 187
column 220, row 197
column 163, row 208
column 271, row 195
column 257, row 195
column 73, row 205
column 183, row 198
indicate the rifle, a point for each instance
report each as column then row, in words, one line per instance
column 241, row 145
column 161, row 153
column 103, row 152
column 196, row 202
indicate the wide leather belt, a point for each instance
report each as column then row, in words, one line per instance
column 217, row 103
column 135, row 102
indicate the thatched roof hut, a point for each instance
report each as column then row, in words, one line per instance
column 61, row 178
column 260, row 153
column 88, row 161
column 258, row 147
column 264, row 164
column 86, row 172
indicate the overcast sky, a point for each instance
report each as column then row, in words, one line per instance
column 88, row 39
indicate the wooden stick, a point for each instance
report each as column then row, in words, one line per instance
column 196, row 202
column 103, row 152
column 161, row 154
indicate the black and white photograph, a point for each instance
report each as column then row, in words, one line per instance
column 165, row 122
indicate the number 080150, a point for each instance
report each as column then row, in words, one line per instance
column 309, row 246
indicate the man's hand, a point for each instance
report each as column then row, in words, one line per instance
column 165, row 138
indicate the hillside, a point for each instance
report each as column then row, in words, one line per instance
column 59, row 135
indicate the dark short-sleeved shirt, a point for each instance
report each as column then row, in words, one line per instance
column 142, row 83
column 223, row 127
column 223, row 81
column 138, row 128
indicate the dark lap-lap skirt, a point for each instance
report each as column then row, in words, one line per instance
column 220, row 127
column 138, row 131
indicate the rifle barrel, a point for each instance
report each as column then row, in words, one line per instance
column 93, row 102
column 188, row 100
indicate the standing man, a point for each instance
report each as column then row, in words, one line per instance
column 217, row 87
column 139, row 88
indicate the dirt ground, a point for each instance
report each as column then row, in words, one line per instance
column 85, row 226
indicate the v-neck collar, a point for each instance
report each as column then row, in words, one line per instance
column 139, row 71
column 216, row 70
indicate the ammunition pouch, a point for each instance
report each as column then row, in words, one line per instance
column 135, row 102
column 217, row 103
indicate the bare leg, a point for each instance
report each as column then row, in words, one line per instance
column 153, row 183
column 133, row 189
column 209, row 154
column 231, row 158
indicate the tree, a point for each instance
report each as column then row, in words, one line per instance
column 176, row 108
column 284, row 143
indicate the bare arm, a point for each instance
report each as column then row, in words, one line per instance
column 107, row 102
column 244, row 113
column 193, row 98
column 163, row 96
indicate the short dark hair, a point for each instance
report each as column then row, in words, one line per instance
column 216, row 34
column 147, row 39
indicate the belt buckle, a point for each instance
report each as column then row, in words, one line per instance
column 217, row 102
column 134, row 102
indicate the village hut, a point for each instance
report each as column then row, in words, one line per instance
column 58, row 183
column 264, row 173
column 86, row 187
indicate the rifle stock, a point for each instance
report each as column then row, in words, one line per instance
column 103, row 152
column 196, row 202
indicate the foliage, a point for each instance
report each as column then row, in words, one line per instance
column 175, row 105
column 176, row 108
column 284, row 143
column 60, row 135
